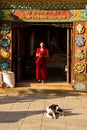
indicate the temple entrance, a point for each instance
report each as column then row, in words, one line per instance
column 56, row 39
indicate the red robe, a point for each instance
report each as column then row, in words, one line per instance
column 41, row 65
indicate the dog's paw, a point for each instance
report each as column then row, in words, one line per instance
column 49, row 116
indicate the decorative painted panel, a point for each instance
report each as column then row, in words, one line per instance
column 5, row 46
column 43, row 15
column 79, row 45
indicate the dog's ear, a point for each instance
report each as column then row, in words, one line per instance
column 60, row 109
column 52, row 106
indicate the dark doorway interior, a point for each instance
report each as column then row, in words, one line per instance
column 26, row 41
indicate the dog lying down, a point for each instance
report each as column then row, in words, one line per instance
column 54, row 111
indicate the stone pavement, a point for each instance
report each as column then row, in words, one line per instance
column 27, row 111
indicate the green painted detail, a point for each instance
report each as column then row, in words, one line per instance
column 1, row 14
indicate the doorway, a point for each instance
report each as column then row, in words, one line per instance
column 25, row 42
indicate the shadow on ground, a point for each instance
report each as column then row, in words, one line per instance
column 21, row 97
column 15, row 116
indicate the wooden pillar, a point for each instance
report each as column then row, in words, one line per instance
column 67, row 55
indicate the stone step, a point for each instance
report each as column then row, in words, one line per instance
column 46, row 85
column 39, row 90
column 32, row 88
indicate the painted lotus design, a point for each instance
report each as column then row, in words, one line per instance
column 79, row 54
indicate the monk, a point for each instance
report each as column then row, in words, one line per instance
column 41, row 63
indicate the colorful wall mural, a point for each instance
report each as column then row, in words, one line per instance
column 80, row 44
column 5, row 46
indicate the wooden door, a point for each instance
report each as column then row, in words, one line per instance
column 21, row 42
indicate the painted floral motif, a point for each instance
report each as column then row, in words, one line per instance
column 5, row 29
column 4, row 47
column 4, row 53
column 4, row 65
column 80, row 28
column 80, row 41
column 79, row 68
column 79, row 54
column 5, row 41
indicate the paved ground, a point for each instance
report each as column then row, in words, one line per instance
column 27, row 112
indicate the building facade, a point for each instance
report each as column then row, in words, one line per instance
column 23, row 24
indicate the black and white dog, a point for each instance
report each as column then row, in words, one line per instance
column 54, row 111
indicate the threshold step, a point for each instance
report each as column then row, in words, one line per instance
column 38, row 90
column 46, row 85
